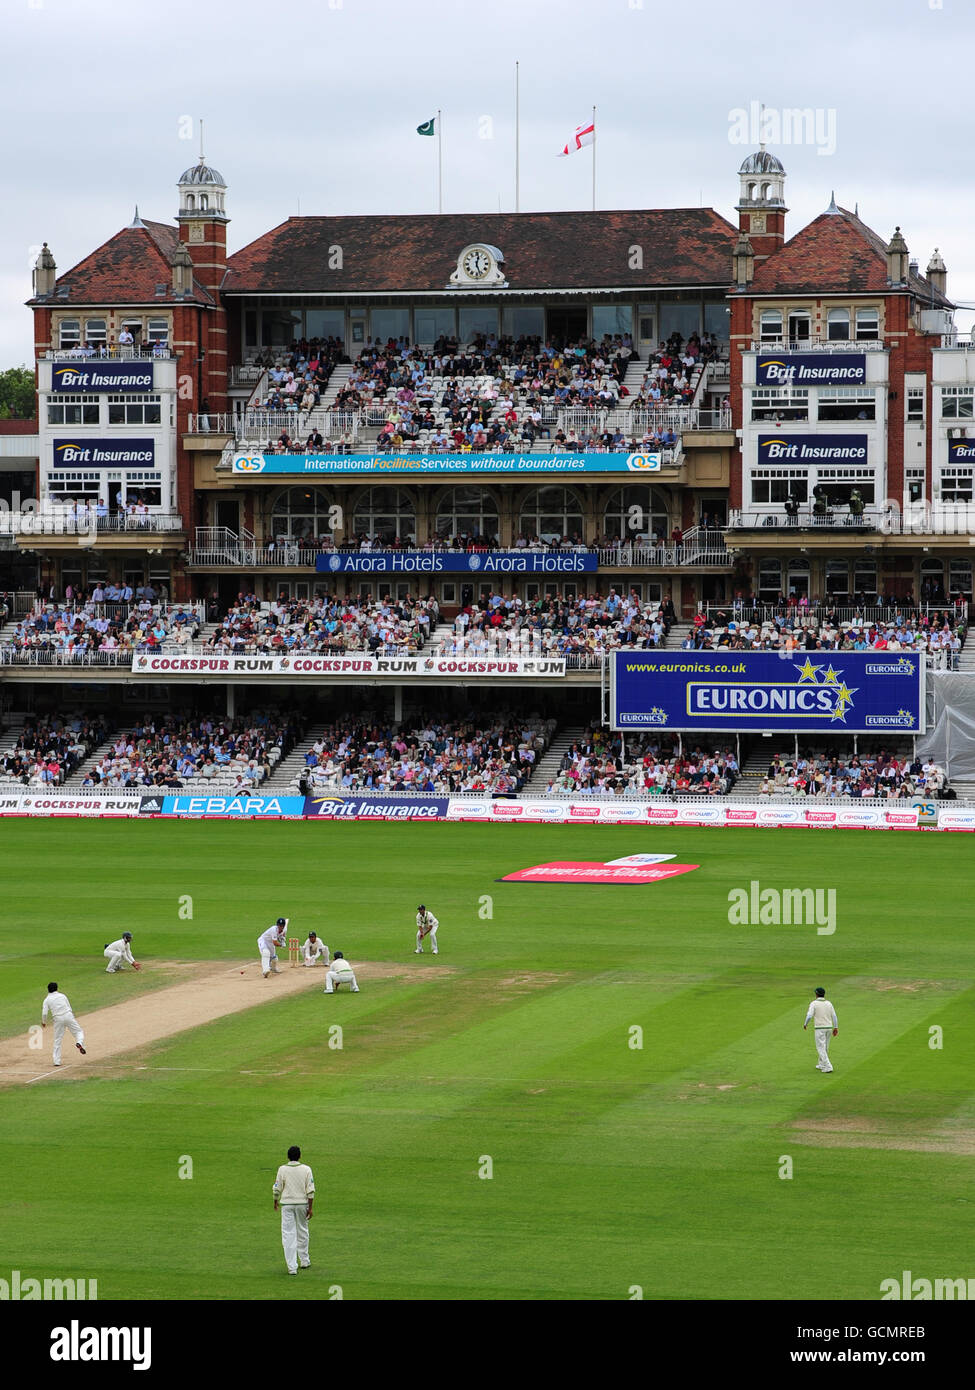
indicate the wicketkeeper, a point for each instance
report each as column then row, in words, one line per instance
column 315, row 950
column 426, row 925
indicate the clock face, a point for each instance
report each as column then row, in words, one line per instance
column 477, row 263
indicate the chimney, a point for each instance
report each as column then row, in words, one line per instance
column 743, row 262
column 937, row 272
column 897, row 259
column 182, row 271
column 44, row 272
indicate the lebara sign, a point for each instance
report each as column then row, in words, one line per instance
column 104, row 453
column 458, row 562
column 384, row 464
column 812, row 448
column 102, row 376
column 811, row 369
column 823, row 692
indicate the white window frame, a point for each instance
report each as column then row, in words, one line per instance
column 134, row 409
column 841, row 317
column 957, row 397
column 867, row 324
column 58, row 407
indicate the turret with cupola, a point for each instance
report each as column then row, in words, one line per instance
column 761, row 203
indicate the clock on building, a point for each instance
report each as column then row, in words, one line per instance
column 479, row 266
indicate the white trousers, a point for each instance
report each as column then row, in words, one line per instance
column 822, row 1049
column 115, row 959
column 266, row 959
column 294, row 1235
column 319, row 956
column 346, row 978
column 432, row 933
column 75, row 1029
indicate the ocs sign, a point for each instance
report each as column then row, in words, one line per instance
column 249, row 463
column 643, row 463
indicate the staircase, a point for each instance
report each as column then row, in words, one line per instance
column 549, row 764
column 966, row 657
column 12, row 730
column 338, row 379
column 635, row 372
column 81, row 772
column 677, row 636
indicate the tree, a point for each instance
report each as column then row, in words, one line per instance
column 17, row 397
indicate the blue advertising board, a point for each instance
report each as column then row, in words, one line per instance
column 338, row 806
column 810, row 369
column 812, row 448
column 104, row 453
column 961, row 450
column 94, row 375
column 806, row 692
column 242, row 806
column 458, row 562
column 380, row 464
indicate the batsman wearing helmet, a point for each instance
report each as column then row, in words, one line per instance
column 268, row 942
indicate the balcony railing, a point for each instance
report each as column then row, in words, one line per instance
column 816, row 610
column 937, row 519
column 213, row 551
column 818, row 344
column 64, row 521
column 102, row 352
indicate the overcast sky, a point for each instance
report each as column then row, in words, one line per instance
column 318, row 101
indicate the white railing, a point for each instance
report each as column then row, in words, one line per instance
column 818, row 344
column 216, row 546
column 247, row 374
column 937, row 519
column 160, row 351
column 59, row 520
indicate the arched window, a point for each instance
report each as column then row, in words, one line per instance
column 838, row 325
column 770, row 329
column 551, row 513
column 647, row 506
column 204, row 202
column 764, row 192
column 467, row 511
column 301, row 514
column 190, row 202
column 752, row 187
column 385, row 514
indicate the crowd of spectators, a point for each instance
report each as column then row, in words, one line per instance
column 834, row 774
column 648, row 765
column 670, row 379
column 73, row 629
column 492, row 754
column 556, row 626
column 182, row 749
column 939, row 634
column 49, row 749
column 326, row 624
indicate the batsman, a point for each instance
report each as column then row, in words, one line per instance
column 426, row 925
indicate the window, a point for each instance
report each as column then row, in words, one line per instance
column 960, row 577
column 838, row 484
column 956, row 402
column 769, row 580
column 437, row 322
column 72, row 410
column 95, row 332
column 914, row 484
column 448, row 592
column 956, row 483
column 779, row 484
column 608, row 320
column 158, row 331
column 646, row 506
column 389, row 323
column 467, row 511
column 143, row 485
column 915, row 403
column 847, row 403
column 319, row 323
column 301, row 514
column 63, row 483
column 549, row 513
column 385, row 514
column 70, row 333
column 780, row 403
column 716, row 320
column 838, row 325
column 837, row 579
column 134, row 410
column 475, row 321
column 868, row 325
column 134, row 326
column 865, row 579
column 681, row 318
column 523, row 322
column 770, row 326
column 800, row 326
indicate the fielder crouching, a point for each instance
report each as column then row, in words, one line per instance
column 340, row 973
column 315, row 950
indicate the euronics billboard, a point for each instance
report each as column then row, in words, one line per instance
column 808, row 692
column 252, row 465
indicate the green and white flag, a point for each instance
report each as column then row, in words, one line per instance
column 428, row 127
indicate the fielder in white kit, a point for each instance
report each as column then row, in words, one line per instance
column 426, row 925
column 56, row 1004
column 340, row 973
column 315, row 950
column 294, row 1191
column 118, row 952
column 269, row 941
column 823, row 1017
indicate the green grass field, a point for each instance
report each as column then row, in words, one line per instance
column 612, row 1166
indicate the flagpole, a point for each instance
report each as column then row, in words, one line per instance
column 517, row 152
column 594, row 159
column 439, row 162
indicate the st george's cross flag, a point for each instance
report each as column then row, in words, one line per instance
column 584, row 135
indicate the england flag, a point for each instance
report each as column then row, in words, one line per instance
column 584, row 135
